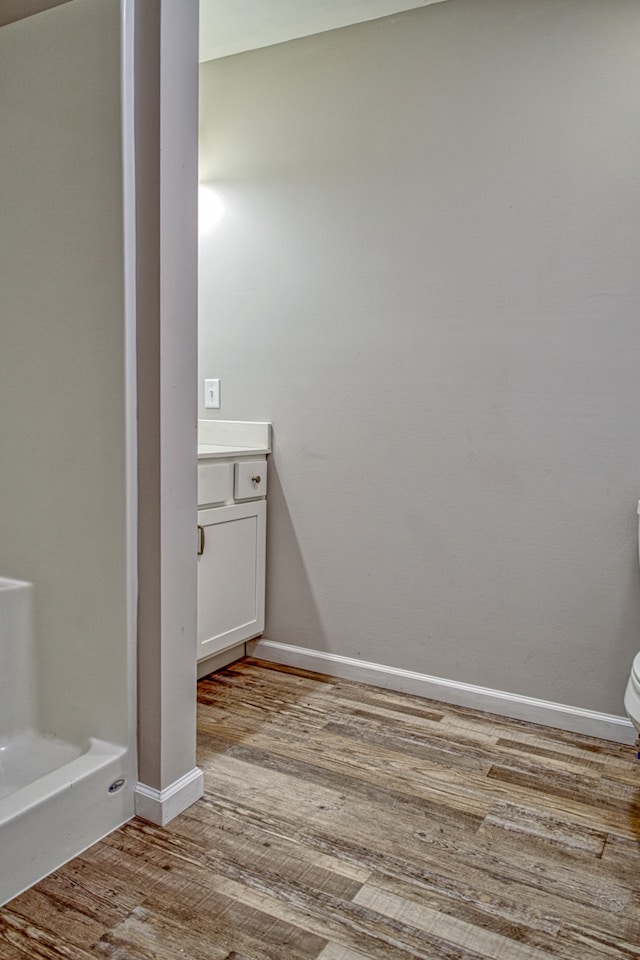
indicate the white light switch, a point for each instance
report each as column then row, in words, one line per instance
column 212, row 394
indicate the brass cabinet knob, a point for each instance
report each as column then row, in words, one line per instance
column 256, row 479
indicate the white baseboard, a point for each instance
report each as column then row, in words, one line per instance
column 563, row 717
column 161, row 806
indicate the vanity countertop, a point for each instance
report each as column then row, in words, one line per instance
column 211, row 451
column 232, row 438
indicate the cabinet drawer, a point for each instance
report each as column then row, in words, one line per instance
column 214, row 482
column 250, row 479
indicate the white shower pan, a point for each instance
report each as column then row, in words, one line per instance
column 55, row 796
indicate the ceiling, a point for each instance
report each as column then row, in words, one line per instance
column 12, row 10
column 232, row 26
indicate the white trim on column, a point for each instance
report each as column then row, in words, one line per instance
column 161, row 806
column 559, row 715
column 127, row 100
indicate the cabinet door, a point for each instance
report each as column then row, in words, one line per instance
column 231, row 573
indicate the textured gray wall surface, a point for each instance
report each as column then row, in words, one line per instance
column 426, row 276
column 62, row 417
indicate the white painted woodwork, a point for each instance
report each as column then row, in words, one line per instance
column 590, row 723
column 235, row 437
column 161, row 806
column 231, row 567
column 250, row 479
column 215, row 482
column 231, row 576
column 220, row 660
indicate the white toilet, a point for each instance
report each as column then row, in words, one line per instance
column 632, row 693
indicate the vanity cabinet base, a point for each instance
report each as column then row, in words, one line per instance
column 231, row 576
column 218, row 661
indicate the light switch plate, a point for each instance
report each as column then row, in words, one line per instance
column 212, row 394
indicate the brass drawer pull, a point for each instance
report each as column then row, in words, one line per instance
column 200, row 540
column 256, row 479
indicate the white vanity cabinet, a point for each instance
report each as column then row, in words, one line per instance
column 232, row 518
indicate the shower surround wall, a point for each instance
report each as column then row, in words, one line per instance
column 64, row 524
column 426, row 277
column 17, row 661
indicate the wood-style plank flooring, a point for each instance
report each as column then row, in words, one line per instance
column 344, row 822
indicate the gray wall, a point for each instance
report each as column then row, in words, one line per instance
column 166, row 173
column 62, row 414
column 427, row 278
